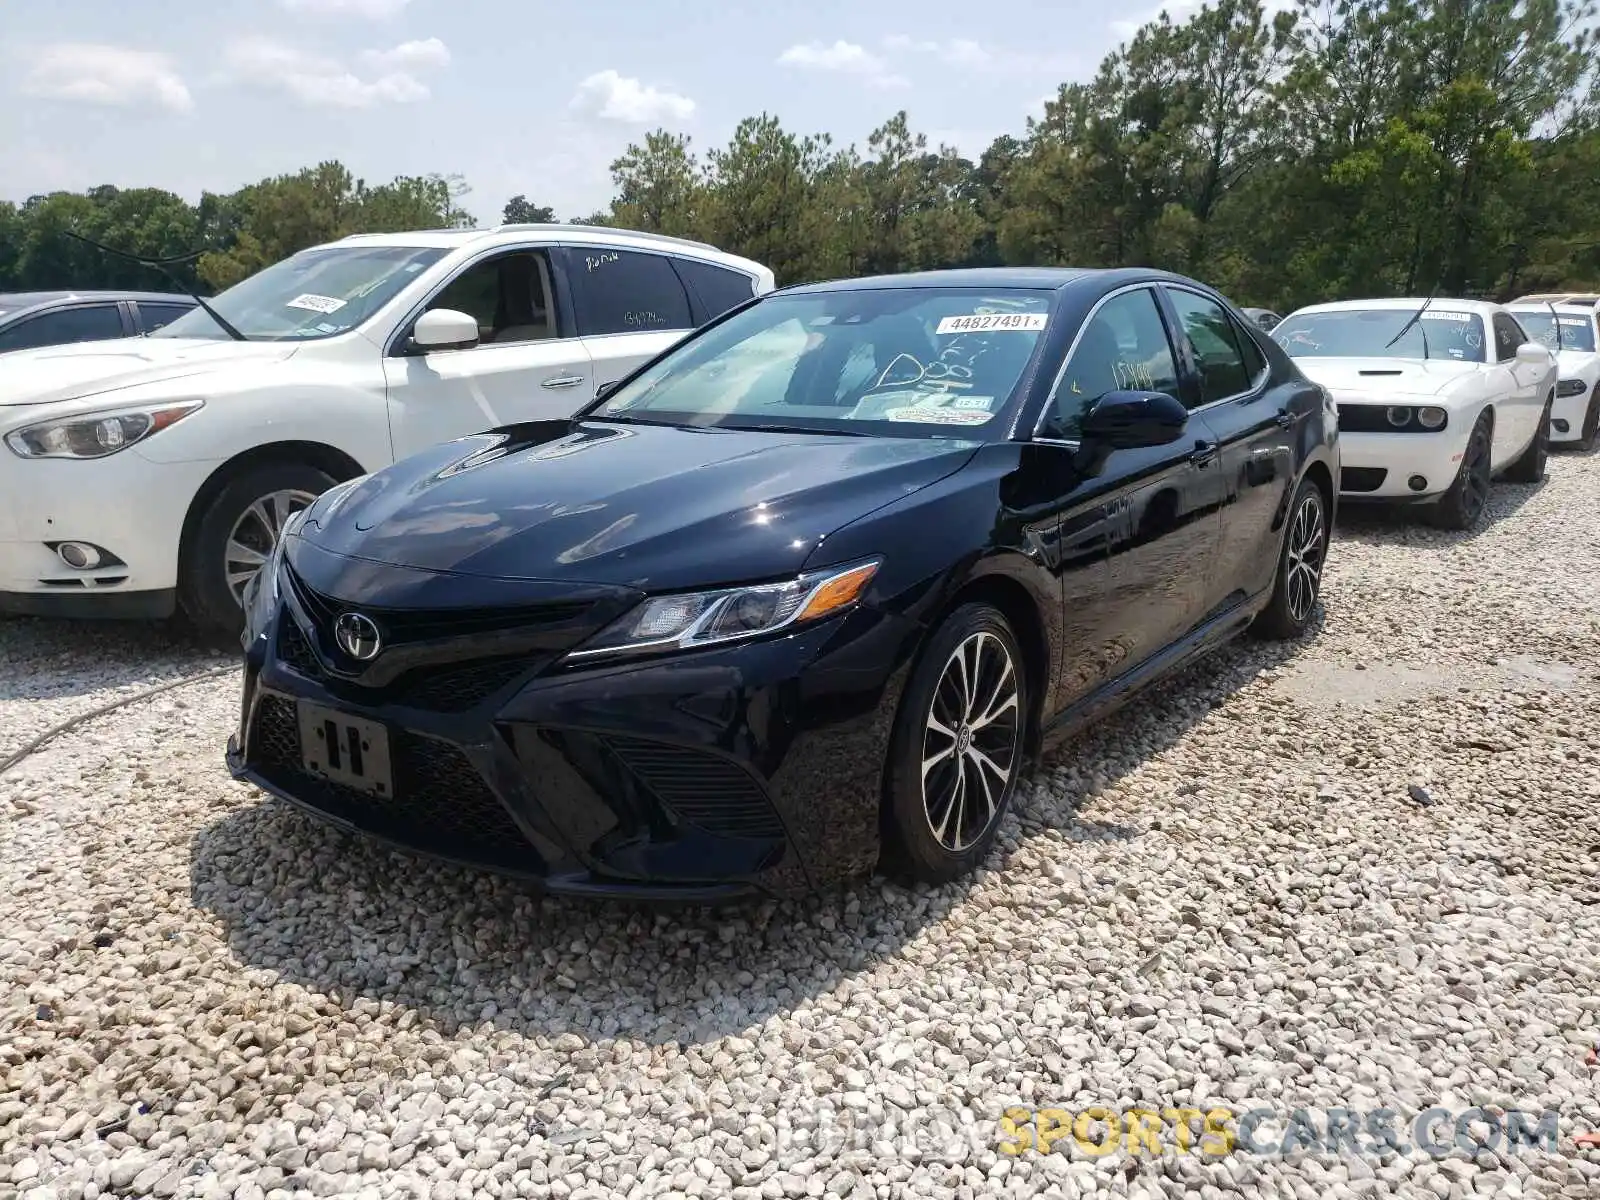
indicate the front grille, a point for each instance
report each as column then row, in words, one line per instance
column 294, row 651
column 1361, row 479
column 711, row 793
column 403, row 625
column 440, row 803
column 457, row 689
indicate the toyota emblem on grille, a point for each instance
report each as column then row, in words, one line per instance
column 357, row 636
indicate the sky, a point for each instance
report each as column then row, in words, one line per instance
column 517, row 96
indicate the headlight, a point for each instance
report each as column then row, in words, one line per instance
column 732, row 614
column 95, row 435
column 1399, row 416
column 1570, row 387
column 1432, row 418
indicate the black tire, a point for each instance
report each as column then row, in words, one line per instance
column 204, row 592
column 913, row 847
column 1531, row 463
column 1462, row 506
column 1298, row 583
column 1591, row 423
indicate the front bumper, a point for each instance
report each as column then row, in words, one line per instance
column 125, row 504
column 1381, row 466
column 1572, row 411
column 746, row 770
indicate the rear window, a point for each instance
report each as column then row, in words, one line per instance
column 716, row 289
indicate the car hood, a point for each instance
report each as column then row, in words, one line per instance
column 1388, row 376
column 647, row 506
column 74, row 372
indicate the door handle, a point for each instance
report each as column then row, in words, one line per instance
column 1204, row 454
column 562, row 381
column 1285, row 419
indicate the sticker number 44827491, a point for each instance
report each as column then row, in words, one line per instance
column 984, row 322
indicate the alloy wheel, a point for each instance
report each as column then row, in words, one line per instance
column 1476, row 474
column 1307, row 549
column 255, row 533
column 972, row 741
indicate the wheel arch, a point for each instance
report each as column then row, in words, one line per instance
column 1021, row 611
column 320, row 455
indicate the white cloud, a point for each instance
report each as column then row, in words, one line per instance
column 842, row 58
column 968, row 55
column 608, row 96
column 325, row 82
column 958, row 52
column 113, row 76
column 430, row 52
column 1180, row 11
column 372, row 10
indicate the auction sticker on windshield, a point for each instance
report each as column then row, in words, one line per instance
column 932, row 415
column 321, row 304
column 984, row 322
column 1440, row 314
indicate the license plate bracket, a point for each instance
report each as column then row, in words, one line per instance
column 350, row 751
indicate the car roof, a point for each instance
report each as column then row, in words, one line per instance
column 18, row 300
column 519, row 234
column 1539, row 306
column 1035, row 278
column 1401, row 304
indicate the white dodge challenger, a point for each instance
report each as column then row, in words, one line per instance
column 1436, row 398
column 1572, row 331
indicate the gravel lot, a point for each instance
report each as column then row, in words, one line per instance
column 1229, row 895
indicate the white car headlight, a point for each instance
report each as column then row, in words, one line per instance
column 96, row 435
column 696, row 619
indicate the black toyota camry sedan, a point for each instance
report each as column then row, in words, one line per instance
column 800, row 597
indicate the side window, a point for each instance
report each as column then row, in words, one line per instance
column 715, row 288
column 153, row 316
column 1255, row 361
column 92, row 323
column 1214, row 345
column 1508, row 336
column 625, row 291
column 1124, row 347
column 508, row 295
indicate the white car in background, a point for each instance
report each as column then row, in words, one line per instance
column 143, row 475
column 1435, row 398
column 1573, row 332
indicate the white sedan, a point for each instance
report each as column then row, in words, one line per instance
column 1573, row 332
column 142, row 475
column 1436, row 398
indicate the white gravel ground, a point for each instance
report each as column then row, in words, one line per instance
column 1226, row 896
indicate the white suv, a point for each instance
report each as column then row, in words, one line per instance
column 146, row 474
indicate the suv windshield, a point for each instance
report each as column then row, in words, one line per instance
column 314, row 294
column 1575, row 332
column 892, row 362
column 1364, row 333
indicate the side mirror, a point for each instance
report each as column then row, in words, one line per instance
column 1130, row 420
column 1533, row 354
column 444, row 329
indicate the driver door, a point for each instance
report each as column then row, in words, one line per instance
column 529, row 364
column 1161, row 516
column 1517, row 415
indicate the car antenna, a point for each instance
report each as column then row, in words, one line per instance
column 1415, row 317
column 161, row 264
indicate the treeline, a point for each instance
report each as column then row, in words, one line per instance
column 1347, row 147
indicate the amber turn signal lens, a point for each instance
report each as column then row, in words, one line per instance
column 839, row 592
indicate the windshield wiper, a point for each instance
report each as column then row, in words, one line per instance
column 161, row 264
column 1415, row 318
column 1555, row 322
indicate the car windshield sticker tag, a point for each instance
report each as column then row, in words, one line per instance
column 972, row 402
column 321, row 304
column 984, row 322
column 1578, row 321
column 934, row 415
column 1440, row 314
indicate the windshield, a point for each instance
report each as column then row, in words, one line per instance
column 314, row 294
column 1576, row 333
column 894, row 362
column 1365, row 332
